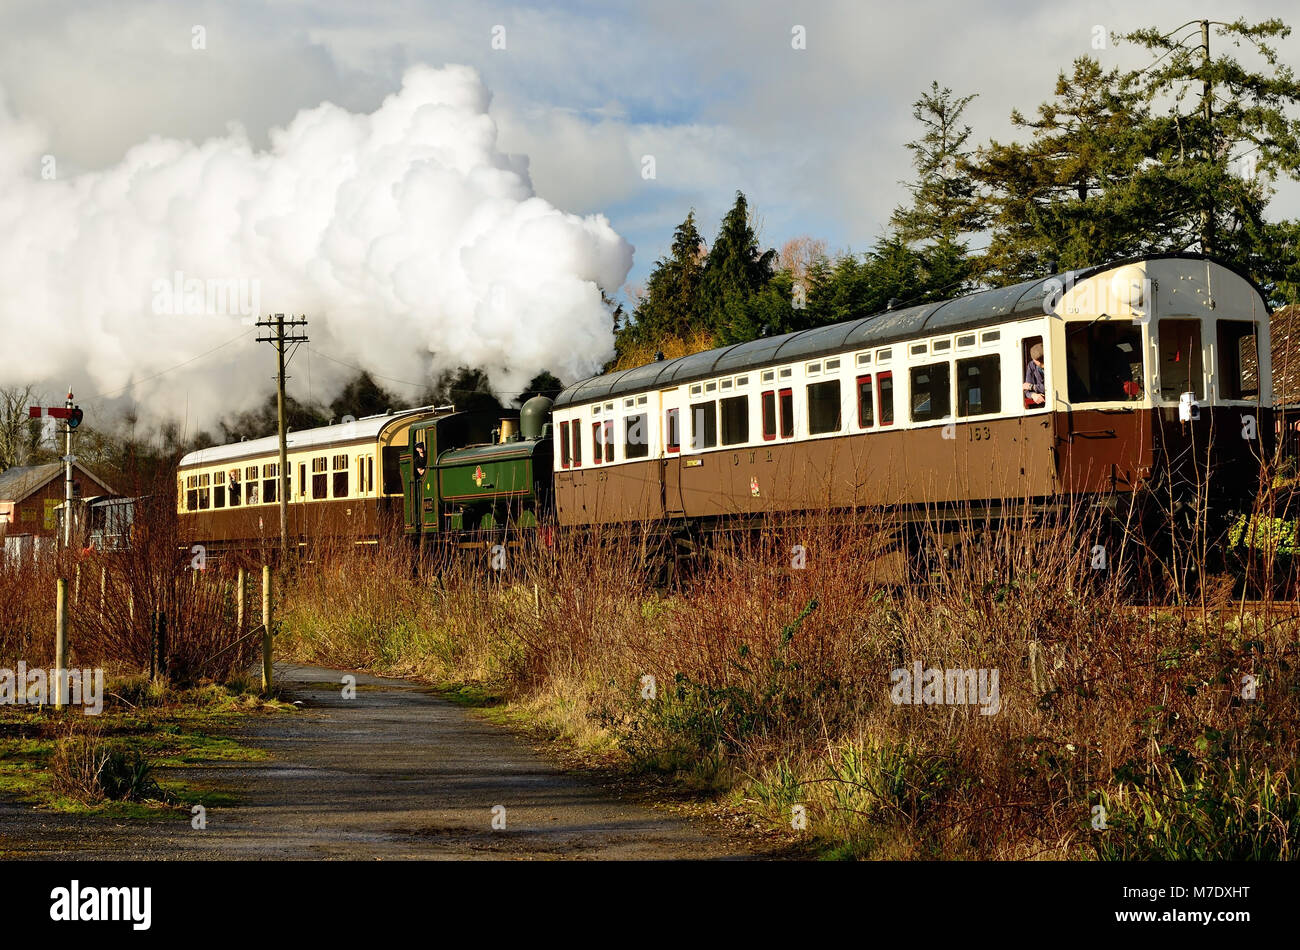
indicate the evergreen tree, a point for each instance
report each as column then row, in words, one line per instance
column 735, row 269
column 1071, row 196
column 944, row 201
column 670, row 304
column 1219, row 150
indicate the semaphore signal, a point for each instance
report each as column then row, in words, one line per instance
column 71, row 415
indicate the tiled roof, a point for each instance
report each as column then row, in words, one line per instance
column 1284, row 329
column 17, row 483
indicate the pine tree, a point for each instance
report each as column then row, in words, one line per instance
column 944, row 201
column 1219, row 150
column 735, row 269
column 670, row 305
column 1067, row 197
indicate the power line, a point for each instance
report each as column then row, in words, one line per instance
column 195, row 359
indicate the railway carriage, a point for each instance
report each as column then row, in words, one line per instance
column 1155, row 373
column 1155, row 376
column 342, row 480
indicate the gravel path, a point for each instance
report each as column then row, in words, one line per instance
column 395, row 773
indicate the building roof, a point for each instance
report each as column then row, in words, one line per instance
column 1284, row 330
column 18, row 483
column 982, row 307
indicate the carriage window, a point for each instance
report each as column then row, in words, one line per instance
column 253, row 487
column 636, row 441
column 1238, row 360
column 564, row 445
column 269, row 473
column 824, row 407
column 866, row 411
column 340, row 476
column 319, row 477
column 192, row 493
column 735, row 420
column 785, row 401
column 1180, row 359
column 234, row 487
column 219, row 490
column 673, row 430
column 392, row 469
column 979, row 386
column 885, row 396
column 704, row 425
column 1103, row 361
column 931, row 398
column 576, row 433
column 203, row 493
column 769, row 415
column 609, row 440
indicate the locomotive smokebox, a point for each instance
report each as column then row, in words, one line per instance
column 535, row 414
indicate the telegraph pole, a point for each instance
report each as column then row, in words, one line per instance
column 281, row 340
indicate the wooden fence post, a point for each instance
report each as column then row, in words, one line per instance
column 60, row 643
column 242, row 583
column 266, row 628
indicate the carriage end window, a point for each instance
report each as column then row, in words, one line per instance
column 1180, row 359
column 673, row 430
column 564, row 444
column 1103, row 361
column 1238, row 360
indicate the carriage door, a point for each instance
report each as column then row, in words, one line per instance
column 670, row 476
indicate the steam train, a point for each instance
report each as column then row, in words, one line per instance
column 1152, row 374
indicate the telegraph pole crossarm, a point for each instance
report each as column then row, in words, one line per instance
column 282, row 337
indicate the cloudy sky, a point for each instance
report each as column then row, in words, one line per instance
column 581, row 91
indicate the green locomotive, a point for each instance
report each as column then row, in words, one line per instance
column 462, row 477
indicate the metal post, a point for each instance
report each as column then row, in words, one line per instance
column 60, row 644
column 266, row 628
column 239, row 603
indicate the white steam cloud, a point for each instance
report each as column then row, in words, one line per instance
column 408, row 240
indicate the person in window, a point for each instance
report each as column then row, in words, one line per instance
column 1035, row 381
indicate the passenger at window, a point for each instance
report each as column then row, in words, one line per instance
column 1035, row 381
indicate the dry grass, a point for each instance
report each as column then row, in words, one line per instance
column 771, row 683
column 145, row 610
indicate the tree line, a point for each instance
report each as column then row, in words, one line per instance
column 1182, row 154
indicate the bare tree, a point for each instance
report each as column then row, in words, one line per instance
column 14, row 402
